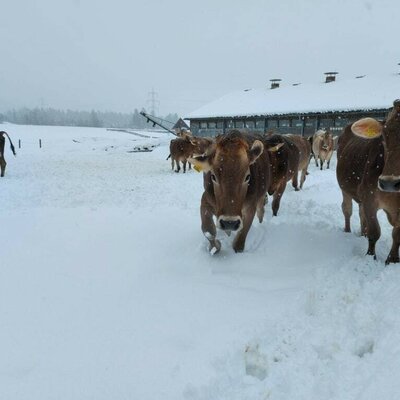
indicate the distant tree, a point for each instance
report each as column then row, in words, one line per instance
column 94, row 120
column 1, row 118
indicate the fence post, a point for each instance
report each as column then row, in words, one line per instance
column 19, row 143
column 40, row 143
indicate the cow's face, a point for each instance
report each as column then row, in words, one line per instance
column 389, row 181
column 227, row 165
column 327, row 141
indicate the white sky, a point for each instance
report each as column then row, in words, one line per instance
column 108, row 55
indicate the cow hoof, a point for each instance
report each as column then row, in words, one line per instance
column 392, row 260
column 214, row 247
column 296, row 189
column 370, row 253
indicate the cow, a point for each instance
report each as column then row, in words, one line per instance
column 304, row 148
column 284, row 164
column 2, row 146
column 184, row 147
column 368, row 172
column 237, row 175
column 322, row 147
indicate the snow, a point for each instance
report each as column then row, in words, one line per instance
column 367, row 93
column 107, row 289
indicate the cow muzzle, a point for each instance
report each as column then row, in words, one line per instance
column 230, row 223
column 389, row 184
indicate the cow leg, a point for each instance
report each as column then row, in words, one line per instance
column 304, row 173
column 322, row 163
column 363, row 221
column 240, row 239
column 208, row 226
column 277, row 198
column 184, row 166
column 172, row 163
column 190, row 165
column 316, row 160
column 373, row 228
column 178, row 167
column 393, row 256
column 327, row 164
column 295, row 180
column 347, row 208
column 261, row 208
column 2, row 166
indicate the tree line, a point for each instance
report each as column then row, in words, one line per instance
column 51, row 116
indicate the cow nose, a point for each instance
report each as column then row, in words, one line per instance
column 229, row 224
column 389, row 184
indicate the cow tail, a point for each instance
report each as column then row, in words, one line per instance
column 11, row 145
column 168, row 157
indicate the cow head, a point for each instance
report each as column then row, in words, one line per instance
column 226, row 163
column 200, row 145
column 369, row 128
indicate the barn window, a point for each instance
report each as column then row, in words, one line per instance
column 239, row 124
column 220, row 124
column 194, row 125
column 272, row 123
column 229, row 124
column 260, row 124
column 212, row 125
column 326, row 123
column 284, row 123
column 250, row 124
column 203, row 125
column 298, row 123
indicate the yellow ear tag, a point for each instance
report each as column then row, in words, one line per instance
column 371, row 132
column 197, row 168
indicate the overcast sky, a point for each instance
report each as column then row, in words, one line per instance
column 108, row 55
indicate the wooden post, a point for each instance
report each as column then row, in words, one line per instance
column 40, row 143
column 19, row 143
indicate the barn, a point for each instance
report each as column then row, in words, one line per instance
column 298, row 108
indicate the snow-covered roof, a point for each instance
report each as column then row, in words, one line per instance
column 366, row 93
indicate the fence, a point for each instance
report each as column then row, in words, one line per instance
column 20, row 143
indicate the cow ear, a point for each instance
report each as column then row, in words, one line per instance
column 201, row 163
column 367, row 128
column 256, row 150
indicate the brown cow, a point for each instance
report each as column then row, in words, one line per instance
column 2, row 145
column 304, row 147
column 284, row 165
column 323, row 146
column 184, row 147
column 236, row 178
column 368, row 172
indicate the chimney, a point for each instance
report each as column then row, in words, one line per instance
column 330, row 76
column 275, row 83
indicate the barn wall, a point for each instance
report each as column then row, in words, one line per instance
column 305, row 125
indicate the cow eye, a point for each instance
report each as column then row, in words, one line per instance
column 247, row 179
column 213, row 178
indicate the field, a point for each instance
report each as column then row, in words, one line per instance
column 107, row 290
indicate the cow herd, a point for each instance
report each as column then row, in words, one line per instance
column 242, row 169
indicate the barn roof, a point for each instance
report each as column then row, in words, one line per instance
column 357, row 94
column 181, row 124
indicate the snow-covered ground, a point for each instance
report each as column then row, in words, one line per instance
column 107, row 290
